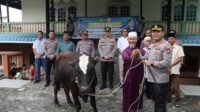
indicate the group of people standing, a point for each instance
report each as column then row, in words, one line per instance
column 151, row 61
column 156, row 63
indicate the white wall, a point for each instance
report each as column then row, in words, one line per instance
column 81, row 8
column 135, row 7
column 152, row 10
column 33, row 10
column 97, row 7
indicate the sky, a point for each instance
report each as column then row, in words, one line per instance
column 15, row 14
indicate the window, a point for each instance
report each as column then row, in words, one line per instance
column 52, row 14
column 192, row 1
column 191, row 13
column 118, row 8
column 190, row 10
column 118, row 0
column 124, row 11
column 112, row 11
column 72, row 11
column 61, row 14
column 164, row 13
column 177, row 13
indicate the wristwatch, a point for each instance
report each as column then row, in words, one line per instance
column 151, row 63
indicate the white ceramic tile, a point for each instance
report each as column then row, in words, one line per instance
column 11, row 83
column 191, row 90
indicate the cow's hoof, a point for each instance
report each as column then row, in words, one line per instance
column 78, row 108
column 95, row 111
column 57, row 104
column 71, row 104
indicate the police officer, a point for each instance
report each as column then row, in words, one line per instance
column 107, row 47
column 85, row 46
column 158, row 60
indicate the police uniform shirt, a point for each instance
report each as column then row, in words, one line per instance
column 107, row 47
column 85, row 46
column 159, row 55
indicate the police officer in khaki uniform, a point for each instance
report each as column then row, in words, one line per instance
column 158, row 60
column 85, row 46
column 107, row 47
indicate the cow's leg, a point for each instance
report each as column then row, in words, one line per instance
column 69, row 101
column 93, row 102
column 56, row 89
column 75, row 94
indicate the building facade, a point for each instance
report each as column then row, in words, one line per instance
column 185, row 19
column 152, row 10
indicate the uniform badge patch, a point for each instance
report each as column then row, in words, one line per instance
column 167, row 50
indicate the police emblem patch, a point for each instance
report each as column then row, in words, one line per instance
column 167, row 50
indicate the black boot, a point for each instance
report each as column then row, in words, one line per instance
column 103, row 86
column 111, row 85
column 46, row 85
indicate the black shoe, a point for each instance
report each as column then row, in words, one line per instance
column 36, row 81
column 46, row 85
column 111, row 86
column 103, row 86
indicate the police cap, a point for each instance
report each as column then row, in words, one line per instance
column 107, row 29
column 157, row 28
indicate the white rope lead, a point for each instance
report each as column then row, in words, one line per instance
column 140, row 89
column 111, row 94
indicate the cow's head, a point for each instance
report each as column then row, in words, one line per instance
column 86, row 75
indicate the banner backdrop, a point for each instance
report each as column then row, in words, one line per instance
column 95, row 25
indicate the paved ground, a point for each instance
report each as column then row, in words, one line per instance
column 35, row 98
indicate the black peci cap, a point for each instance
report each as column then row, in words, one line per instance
column 171, row 33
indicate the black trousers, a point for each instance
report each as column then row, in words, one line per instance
column 147, row 89
column 107, row 68
column 49, row 64
column 159, row 96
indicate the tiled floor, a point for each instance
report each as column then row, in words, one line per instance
column 191, row 90
column 11, row 83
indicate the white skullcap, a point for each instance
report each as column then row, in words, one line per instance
column 147, row 38
column 132, row 35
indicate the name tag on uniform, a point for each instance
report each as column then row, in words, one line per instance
column 157, row 48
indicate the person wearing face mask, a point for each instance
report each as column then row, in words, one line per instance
column 133, row 78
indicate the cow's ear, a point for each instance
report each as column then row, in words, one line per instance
column 77, row 69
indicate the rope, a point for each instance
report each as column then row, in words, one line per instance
column 111, row 94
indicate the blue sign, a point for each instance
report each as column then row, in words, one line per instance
column 96, row 25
